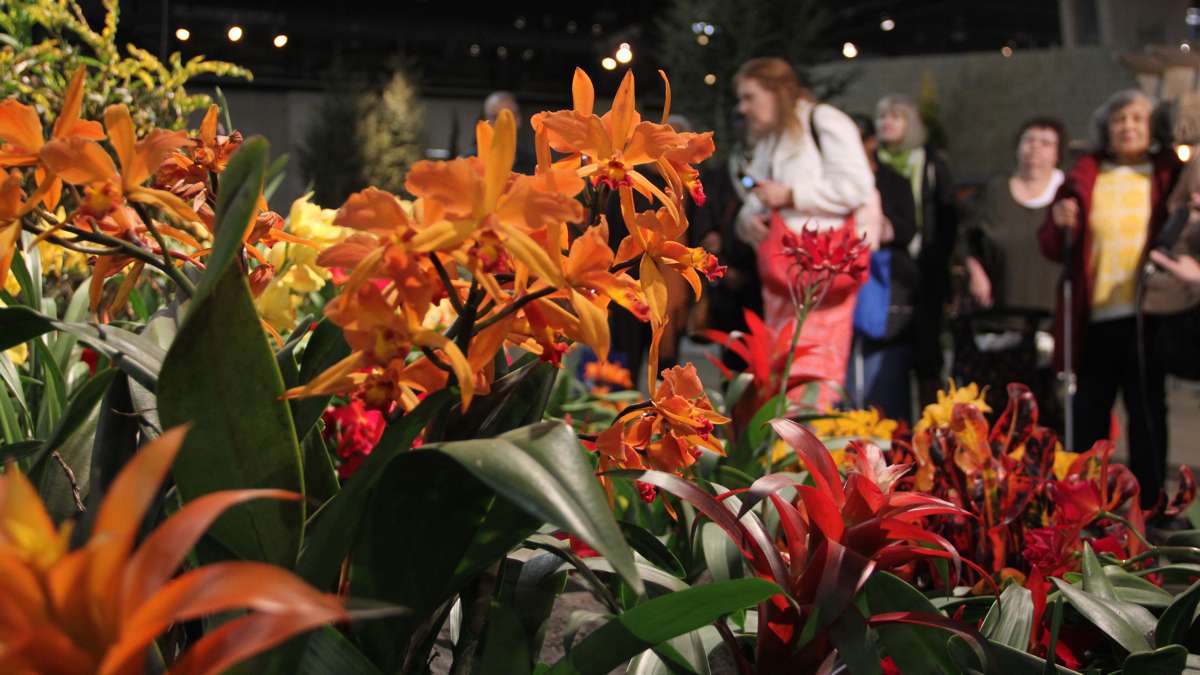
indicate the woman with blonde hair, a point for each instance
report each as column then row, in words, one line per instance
column 1105, row 216
column 808, row 170
column 903, row 146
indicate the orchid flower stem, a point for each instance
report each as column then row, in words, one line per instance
column 1108, row 515
column 512, row 308
column 470, row 312
column 628, row 264
column 114, row 245
column 176, row 274
column 455, row 301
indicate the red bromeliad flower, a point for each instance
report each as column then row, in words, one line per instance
column 354, row 429
column 819, row 257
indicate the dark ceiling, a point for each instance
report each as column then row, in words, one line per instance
column 458, row 48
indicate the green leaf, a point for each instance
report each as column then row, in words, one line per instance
column 1010, row 620
column 237, row 200
column 654, row 551
column 335, row 527
column 18, row 450
column 759, row 430
column 915, row 649
column 721, row 554
column 220, row 376
column 1127, row 624
column 427, row 530
column 328, row 651
column 656, row 621
column 114, row 443
column 326, row 346
column 1168, row 660
column 54, row 393
column 1173, row 625
column 320, row 476
column 79, row 409
column 133, row 354
column 1135, row 589
column 532, row 591
column 854, row 642
column 542, row 469
column 1002, row 660
column 517, row 399
column 1095, row 581
column 504, row 649
column 52, row 480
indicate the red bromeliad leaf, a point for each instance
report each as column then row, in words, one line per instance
column 815, row 457
column 796, row 534
column 822, row 512
column 751, row 541
column 762, row 488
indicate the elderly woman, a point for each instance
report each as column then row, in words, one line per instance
column 902, row 138
column 1113, row 202
column 809, row 170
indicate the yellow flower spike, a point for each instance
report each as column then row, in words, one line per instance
column 25, row 527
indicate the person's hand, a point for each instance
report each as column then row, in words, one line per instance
column 755, row 230
column 1185, row 268
column 980, row 285
column 774, row 195
column 887, row 231
column 1065, row 212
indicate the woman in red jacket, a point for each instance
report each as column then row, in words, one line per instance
column 1111, row 205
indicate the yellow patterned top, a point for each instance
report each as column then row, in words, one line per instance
column 1119, row 222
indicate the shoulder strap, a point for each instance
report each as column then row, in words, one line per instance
column 812, row 127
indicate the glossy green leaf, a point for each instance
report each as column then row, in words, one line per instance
column 237, row 201
column 1168, row 660
column 542, row 469
column 1136, row 589
column 1001, row 660
column 532, row 591
column 721, row 556
column 220, row 376
column 79, row 408
column 915, row 649
column 658, row 620
column 131, row 353
column 504, row 649
column 1174, row 623
column 326, row 346
column 327, row 651
column 1095, row 581
column 1127, row 624
column 654, row 551
column 1010, row 620
column 54, row 390
column 335, row 528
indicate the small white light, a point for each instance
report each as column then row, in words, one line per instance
column 572, row 26
column 624, row 54
column 1185, row 47
column 475, row 50
column 527, row 55
column 1193, row 16
column 709, row 29
column 280, row 41
column 182, row 34
column 702, row 39
column 849, row 50
column 887, row 25
column 502, row 52
column 1183, row 152
column 609, row 63
column 519, row 24
column 1006, row 51
column 623, row 45
column 710, row 79
column 698, row 27
column 234, row 34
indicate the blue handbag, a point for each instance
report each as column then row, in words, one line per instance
column 874, row 298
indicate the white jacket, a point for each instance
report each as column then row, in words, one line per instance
column 827, row 184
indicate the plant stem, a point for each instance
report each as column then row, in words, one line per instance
column 785, row 377
column 1141, row 537
column 455, row 301
column 169, row 266
column 513, row 307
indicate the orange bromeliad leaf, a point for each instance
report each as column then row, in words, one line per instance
column 95, row 609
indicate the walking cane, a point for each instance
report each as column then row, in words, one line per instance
column 1068, row 345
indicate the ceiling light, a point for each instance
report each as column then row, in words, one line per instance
column 502, row 52
column 235, row 33
column 1183, row 152
column 849, row 50
column 709, row 29
column 182, row 34
column 702, row 39
column 609, row 63
column 519, row 24
column 710, row 79
column 1006, row 51
column 474, row 50
column 1185, row 47
column 887, row 25
column 624, row 53
column 280, row 40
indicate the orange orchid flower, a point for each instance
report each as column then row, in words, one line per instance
column 81, row 161
column 12, row 208
column 22, row 135
column 614, row 144
column 481, row 194
column 97, row 608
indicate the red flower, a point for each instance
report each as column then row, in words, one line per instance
column 1077, row 501
column 578, row 546
column 820, row 256
column 889, row 666
column 91, row 357
column 1049, row 549
column 355, row 430
column 646, row 491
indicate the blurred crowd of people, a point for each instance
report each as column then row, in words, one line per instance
column 1082, row 284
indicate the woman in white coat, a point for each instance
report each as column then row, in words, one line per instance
column 809, row 170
